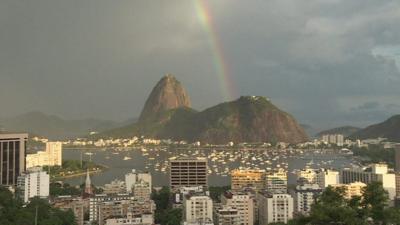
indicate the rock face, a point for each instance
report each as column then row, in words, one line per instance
column 389, row 129
column 248, row 119
column 166, row 95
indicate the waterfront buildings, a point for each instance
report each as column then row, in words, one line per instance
column 276, row 181
column 376, row 172
column 33, row 183
column 12, row 157
column 244, row 204
column 134, row 177
column 241, row 179
column 52, row 156
column 304, row 196
column 188, row 172
column 337, row 139
column 197, row 209
column 274, row 208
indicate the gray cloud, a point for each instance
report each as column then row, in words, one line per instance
column 316, row 59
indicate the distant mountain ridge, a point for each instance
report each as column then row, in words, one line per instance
column 389, row 128
column 345, row 130
column 54, row 127
column 247, row 119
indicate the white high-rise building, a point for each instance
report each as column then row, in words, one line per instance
column 337, row 139
column 135, row 177
column 197, row 209
column 326, row 177
column 34, row 183
column 304, row 196
column 274, row 208
column 52, row 156
column 244, row 204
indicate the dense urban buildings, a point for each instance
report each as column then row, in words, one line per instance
column 188, row 172
column 377, row 172
column 52, row 156
column 12, row 157
column 33, row 183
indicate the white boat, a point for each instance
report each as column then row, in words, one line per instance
column 127, row 158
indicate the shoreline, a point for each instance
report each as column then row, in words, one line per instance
column 81, row 174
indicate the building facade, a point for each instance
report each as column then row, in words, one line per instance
column 197, row 208
column 351, row 189
column 276, row 182
column 241, row 179
column 188, row 172
column 326, row 177
column 227, row 215
column 134, row 177
column 274, row 208
column 12, row 157
column 304, row 196
column 243, row 203
column 34, row 183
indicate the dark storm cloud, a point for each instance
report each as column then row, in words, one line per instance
column 101, row 58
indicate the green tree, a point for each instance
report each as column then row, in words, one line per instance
column 375, row 200
column 332, row 208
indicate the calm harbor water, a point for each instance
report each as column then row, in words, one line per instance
column 220, row 162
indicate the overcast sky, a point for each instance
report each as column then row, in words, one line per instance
column 327, row 62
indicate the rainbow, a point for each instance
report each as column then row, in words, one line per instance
column 204, row 15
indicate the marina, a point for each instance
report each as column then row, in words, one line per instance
column 220, row 161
